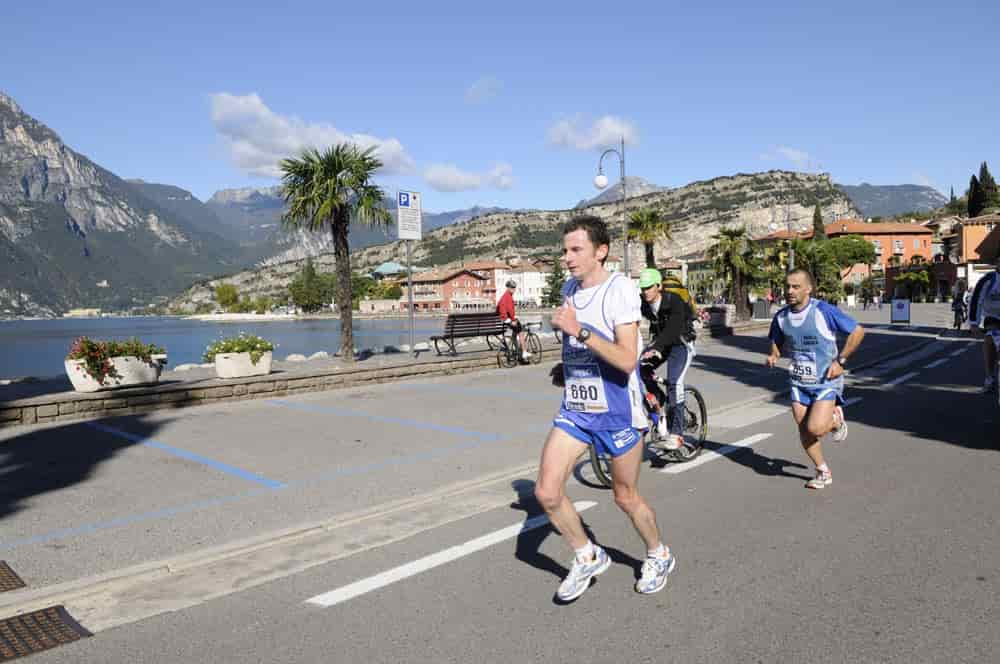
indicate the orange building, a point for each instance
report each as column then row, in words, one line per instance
column 894, row 243
column 448, row 289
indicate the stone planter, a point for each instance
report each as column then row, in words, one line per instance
column 238, row 365
column 131, row 371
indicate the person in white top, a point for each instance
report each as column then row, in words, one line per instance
column 602, row 406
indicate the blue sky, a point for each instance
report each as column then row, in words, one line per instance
column 509, row 103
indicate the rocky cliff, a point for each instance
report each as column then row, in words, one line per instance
column 74, row 234
column 697, row 210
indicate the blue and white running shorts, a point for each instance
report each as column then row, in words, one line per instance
column 807, row 396
column 613, row 443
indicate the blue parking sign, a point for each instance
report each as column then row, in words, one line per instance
column 404, row 199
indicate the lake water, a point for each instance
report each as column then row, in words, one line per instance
column 38, row 347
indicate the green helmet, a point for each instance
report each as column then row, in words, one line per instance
column 649, row 277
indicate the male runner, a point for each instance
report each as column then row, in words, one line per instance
column 984, row 316
column 601, row 406
column 808, row 329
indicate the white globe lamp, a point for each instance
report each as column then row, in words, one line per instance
column 601, row 181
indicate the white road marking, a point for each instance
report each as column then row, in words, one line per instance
column 959, row 351
column 901, row 379
column 744, row 417
column 725, row 450
column 388, row 577
column 936, row 363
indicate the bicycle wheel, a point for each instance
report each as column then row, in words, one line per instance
column 695, row 418
column 506, row 357
column 601, row 463
column 534, row 346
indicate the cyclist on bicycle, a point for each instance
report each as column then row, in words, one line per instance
column 984, row 315
column 672, row 332
column 505, row 309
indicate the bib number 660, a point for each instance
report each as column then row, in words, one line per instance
column 583, row 393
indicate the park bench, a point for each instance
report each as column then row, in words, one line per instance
column 468, row 326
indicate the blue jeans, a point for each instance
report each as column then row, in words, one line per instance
column 678, row 360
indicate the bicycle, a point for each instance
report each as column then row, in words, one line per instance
column 509, row 353
column 695, row 433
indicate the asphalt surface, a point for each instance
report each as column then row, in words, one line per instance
column 896, row 561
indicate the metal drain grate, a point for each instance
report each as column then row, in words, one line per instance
column 37, row 631
column 8, row 579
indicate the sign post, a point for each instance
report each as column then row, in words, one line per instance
column 409, row 226
column 900, row 311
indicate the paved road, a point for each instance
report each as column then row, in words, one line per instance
column 897, row 560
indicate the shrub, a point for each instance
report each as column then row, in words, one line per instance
column 96, row 355
column 244, row 343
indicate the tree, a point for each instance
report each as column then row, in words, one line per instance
column 989, row 186
column 819, row 230
column 850, row 250
column 733, row 259
column 913, row 281
column 307, row 289
column 227, row 296
column 328, row 190
column 552, row 295
column 977, row 197
column 817, row 257
column 647, row 225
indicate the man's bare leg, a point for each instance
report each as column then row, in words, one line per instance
column 624, row 483
column 559, row 456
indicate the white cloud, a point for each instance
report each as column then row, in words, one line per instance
column 258, row 138
column 483, row 90
column 605, row 131
column 446, row 177
column 501, row 176
column 800, row 158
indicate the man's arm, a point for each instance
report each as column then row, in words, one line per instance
column 777, row 338
column 974, row 306
column 851, row 345
column 775, row 355
column 622, row 353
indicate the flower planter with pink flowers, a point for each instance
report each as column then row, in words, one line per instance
column 103, row 365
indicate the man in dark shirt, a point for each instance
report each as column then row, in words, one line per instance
column 505, row 309
column 668, row 317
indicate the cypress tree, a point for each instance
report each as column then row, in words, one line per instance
column 988, row 185
column 977, row 197
column 819, row 230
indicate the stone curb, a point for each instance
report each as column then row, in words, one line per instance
column 78, row 406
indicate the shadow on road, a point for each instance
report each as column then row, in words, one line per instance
column 41, row 460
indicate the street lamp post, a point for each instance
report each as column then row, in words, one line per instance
column 601, row 181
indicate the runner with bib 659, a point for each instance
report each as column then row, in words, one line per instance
column 807, row 328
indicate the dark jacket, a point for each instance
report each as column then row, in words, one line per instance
column 668, row 325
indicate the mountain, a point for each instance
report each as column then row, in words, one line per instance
column 634, row 186
column 73, row 234
column 698, row 211
column 894, row 199
column 182, row 203
column 253, row 215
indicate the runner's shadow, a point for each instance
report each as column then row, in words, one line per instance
column 759, row 463
column 529, row 543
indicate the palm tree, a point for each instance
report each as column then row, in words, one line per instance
column 647, row 225
column 329, row 189
column 732, row 255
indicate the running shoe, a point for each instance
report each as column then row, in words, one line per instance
column 580, row 574
column 840, row 432
column 684, row 453
column 821, row 480
column 655, row 571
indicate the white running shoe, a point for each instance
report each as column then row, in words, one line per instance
column 840, row 432
column 661, row 427
column 580, row 574
column 822, row 480
column 655, row 571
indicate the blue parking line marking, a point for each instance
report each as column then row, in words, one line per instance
column 521, row 395
column 417, row 424
column 190, row 456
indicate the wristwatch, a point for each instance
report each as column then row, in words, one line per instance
column 842, row 361
column 583, row 336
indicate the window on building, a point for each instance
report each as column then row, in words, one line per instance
column 916, row 243
column 878, row 246
column 897, row 246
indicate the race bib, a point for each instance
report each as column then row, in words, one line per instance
column 803, row 368
column 585, row 394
